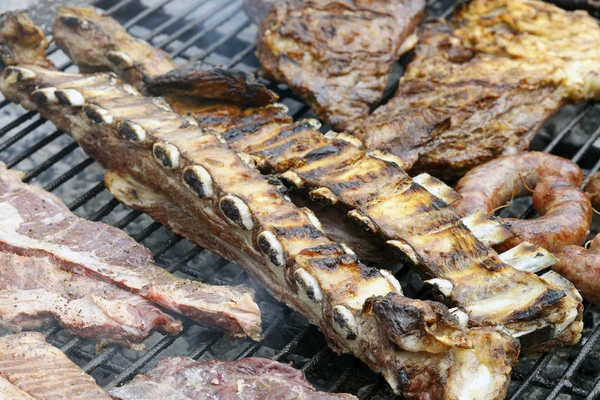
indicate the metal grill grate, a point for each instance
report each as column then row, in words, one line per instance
column 218, row 31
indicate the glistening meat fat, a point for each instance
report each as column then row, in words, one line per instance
column 181, row 378
column 36, row 290
column 418, row 346
column 37, row 223
column 411, row 215
column 31, row 368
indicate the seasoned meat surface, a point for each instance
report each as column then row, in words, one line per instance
column 36, row 222
column 34, row 290
column 336, row 54
column 42, row 371
column 482, row 84
column 246, row 379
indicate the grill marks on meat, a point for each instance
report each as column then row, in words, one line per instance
column 337, row 55
column 140, row 139
column 34, row 290
column 246, row 379
column 43, row 371
column 36, row 222
column 481, row 85
column 415, row 223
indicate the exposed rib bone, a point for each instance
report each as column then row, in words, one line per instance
column 318, row 267
column 529, row 257
column 379, row 195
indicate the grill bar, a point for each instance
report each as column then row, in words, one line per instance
column 179, row 41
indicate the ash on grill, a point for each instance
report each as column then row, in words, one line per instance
column 218, row 31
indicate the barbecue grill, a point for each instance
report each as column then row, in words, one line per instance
column 218, row 31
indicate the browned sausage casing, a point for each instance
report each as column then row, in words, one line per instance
column 593, row 190
column 582, row 267
column 565, row 217
column 496, row 182
column 564, row 209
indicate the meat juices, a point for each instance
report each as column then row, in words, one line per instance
column 564, row 209
column 35, row 367
column 250, row 378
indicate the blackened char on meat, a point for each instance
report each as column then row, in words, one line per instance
column 43, row 372
column 36, row 222
column 205, row 81
column 75, row 27
column 482, row 85
column 246, row 379
column 337, row 54
column 35, row 291
column 176, row 167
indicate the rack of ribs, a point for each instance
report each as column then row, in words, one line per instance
column 188, row 179
column 411, row 216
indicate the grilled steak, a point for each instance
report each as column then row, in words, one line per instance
column 247, row 379
column 43, row 371
column 410, row 215
column 205, row 189
column 337, row 54
column 37, row 223
column 34, row 290
column 481, row 85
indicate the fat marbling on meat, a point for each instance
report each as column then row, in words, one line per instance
column 37, row 223
column 246, row 379
column 35, row 291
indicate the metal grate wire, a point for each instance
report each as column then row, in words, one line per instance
column 223, row 34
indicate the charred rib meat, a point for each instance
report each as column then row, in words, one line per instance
column 158, row 74
column 337, row 55
column 37, row 223
column 481, row 85
column 182, row 170
column 413, row 221
column 249, row 378
column 42, row 371
column 34, row 291
column 207, row 81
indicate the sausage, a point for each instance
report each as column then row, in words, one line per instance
column 593, row 190
column 496, row 182
column 565, row 210
column 582, row 267
column 565, row 217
